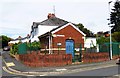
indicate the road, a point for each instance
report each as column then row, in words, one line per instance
column 4, row 73
column 109, row 71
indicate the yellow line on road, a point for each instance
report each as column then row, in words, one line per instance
column 15, row 72
column 10, row 64
column 5, row 62
column 6, row 70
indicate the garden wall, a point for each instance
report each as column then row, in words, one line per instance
column 95, row 57
column 35, row 59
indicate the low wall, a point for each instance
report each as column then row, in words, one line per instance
column 37, row 60
column 95, row 57
column 116, row 57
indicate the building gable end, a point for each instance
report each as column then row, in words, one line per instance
column 66, row 26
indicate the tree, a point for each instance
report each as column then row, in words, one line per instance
column 102, row 40
column 0, row 42
column 85, row 30
column 116, row 36
column 5, row 41
column 115, row 17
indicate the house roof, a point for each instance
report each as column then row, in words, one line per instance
column 47, row 25
column 51, row 25
column 59, row 28
column 53, row 21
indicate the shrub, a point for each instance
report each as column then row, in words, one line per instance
column 14, row 48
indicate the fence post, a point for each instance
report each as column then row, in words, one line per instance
column 58, row 44
column 80, row 52
column 30, row 45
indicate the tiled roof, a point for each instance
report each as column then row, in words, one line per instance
column 54, row 21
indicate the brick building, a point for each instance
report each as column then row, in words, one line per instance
column 58, row 36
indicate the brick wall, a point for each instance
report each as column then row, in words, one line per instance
column 95, row 57
column 69, row 32
column 38, row 60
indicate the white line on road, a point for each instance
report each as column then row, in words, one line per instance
column 118, row 75
column 61, row 69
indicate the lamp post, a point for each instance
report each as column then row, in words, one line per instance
column 110, row 35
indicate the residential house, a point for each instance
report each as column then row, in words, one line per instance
column 57, row 35
column 20, row 39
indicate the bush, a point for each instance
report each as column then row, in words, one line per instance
column 34, row 46
column 14, row 48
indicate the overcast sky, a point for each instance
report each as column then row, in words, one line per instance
column 17, row 16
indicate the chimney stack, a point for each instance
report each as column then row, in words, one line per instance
column 51, row 15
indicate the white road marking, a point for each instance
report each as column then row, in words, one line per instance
column 14, row 70
column 117, row 75
column 61, row 69
column 41, row 75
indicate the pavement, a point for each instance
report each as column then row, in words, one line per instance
column 16, row 67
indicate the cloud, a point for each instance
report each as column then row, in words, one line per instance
column 17, row 16
column 55, row 0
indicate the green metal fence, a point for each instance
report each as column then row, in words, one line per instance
column 22, row 48
column 115, row 48
column 106, row 48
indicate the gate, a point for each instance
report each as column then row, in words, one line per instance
column 70, row 47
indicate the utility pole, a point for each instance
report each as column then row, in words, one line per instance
column 110, row 33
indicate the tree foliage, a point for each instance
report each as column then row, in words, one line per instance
column 116, row 36
column 115, row 17
column 14, row 48
column 85, row 30
column 34, row 46
column 5, row 40
column 102, row 40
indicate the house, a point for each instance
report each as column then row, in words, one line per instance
column 57, row 35
column 90, row 42
column 20, row 39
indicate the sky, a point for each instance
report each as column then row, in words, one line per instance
column 17, row 16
